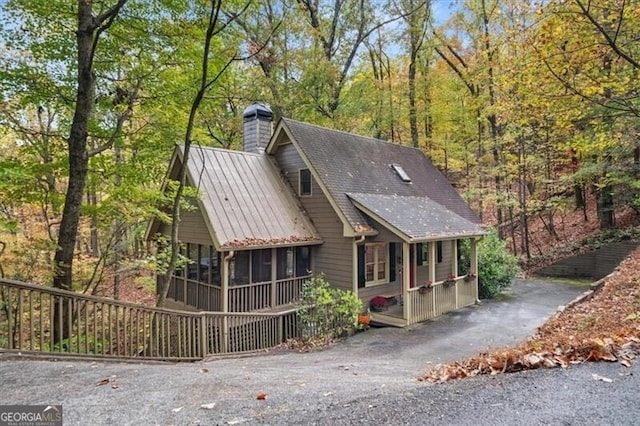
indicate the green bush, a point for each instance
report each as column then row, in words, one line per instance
column 496, row 265
column 325, row 312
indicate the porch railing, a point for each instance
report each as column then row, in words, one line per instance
column 440, row 299
column 289, row 290
column 203, row 296
column 242, row 298
column 250, row 297
column 102, row 327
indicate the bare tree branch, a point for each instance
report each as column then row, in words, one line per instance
column 610, row 41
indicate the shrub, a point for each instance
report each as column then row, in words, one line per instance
column 496, row 265
column 325, row 312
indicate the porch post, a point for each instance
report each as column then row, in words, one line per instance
column 224, row 284
column 224, row 289
column 406, row 276
column 274, row 276
column 474, row 263
column 433, row 247
column 454, row 266
column 454, row 257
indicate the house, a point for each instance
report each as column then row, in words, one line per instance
column 375, row 218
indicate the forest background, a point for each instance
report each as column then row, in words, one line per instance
column 530, row 108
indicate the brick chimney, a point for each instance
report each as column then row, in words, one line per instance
column 257, row 127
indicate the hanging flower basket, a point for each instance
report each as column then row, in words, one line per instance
column 450, row 281
column 470, row 276
column 425, row 288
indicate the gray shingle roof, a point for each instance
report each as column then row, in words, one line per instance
column 348, row 163
column 246, row 201
column 415, row 218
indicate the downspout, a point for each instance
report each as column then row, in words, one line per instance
column 225, row 301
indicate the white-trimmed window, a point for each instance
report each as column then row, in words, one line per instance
column 305, row 182
column 376, row 263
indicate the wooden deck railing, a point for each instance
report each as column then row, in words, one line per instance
column 101, row 327
column 440, row 299
column 203, row 296
column 250, row 297
column 242, row 298
column 289, row 290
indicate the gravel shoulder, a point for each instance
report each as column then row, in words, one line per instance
column 368, row 378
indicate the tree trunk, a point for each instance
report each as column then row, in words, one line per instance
column 413, row 114
column 86, row 38
column 205, row 83
column 118, row 230
column 493, row 119
column 605, row 207
column 579, row 196
column 78, row 161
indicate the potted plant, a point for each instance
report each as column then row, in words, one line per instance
column 451, row 280
column 364, row 320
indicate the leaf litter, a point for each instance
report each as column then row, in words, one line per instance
column 603, row 327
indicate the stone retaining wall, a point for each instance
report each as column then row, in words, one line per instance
column 595, row 264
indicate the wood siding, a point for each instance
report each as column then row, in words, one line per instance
column 192, row 228
column 334, row 257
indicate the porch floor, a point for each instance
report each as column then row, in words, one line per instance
column 391, row 317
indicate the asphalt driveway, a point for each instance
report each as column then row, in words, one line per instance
column 340, row 384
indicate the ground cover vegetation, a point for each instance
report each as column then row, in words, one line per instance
column 605, row 327
column 530, row 109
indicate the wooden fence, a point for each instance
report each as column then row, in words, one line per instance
column 36, row 319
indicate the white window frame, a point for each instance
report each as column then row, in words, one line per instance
column 300, row 183
column 376, row 263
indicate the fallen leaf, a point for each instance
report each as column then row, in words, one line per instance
column 237, row 421
column 204, row 370
column 208, row 406
column 114, row 386
column 601, row 378
column 626, row 363
column 261, row 396
column 177, row 410
column 103, row 382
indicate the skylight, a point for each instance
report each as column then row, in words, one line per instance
column 401, row 173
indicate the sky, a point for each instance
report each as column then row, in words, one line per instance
column 442, row 9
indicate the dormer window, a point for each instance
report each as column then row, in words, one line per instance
column 305, row 182
column 397, row 168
